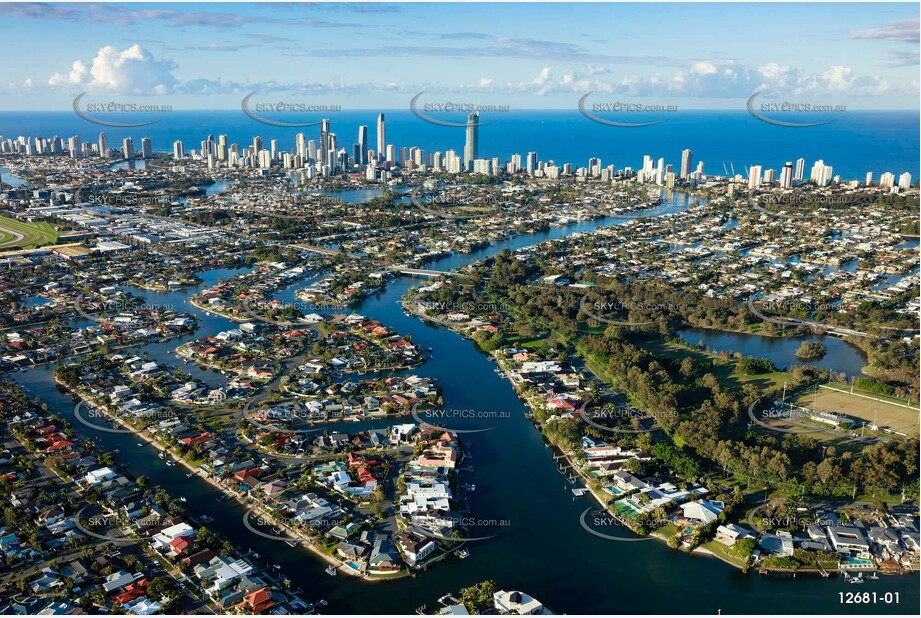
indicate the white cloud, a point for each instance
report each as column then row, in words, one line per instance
column 716, row 79
column 130, row 71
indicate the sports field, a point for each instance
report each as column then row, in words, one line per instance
column 15, row 234
column 886, row 414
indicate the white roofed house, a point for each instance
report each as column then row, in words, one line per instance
column 702, row 511
column 220, row 573
column 98, row 476
column 513, row 602
column 730, row 533
column 161, row 541
column 400, row 434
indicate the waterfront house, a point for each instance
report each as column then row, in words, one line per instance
column 702, row 511
column 384, row 558
column 730, row 533
column 414, row 546
column 849, row 541
column 517, row 603
column 779, row 544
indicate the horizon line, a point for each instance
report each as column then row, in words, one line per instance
column 521, row 109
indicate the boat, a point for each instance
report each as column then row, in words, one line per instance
column 463, row 553
column 190, row 475
column 854, row 579
column 277, row 567
column 182, row 499
column 331, row 570
column 161, row 455
column 872, row 575
column 169, row 463
column 322, row 602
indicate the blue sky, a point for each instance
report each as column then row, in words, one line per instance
column 528, row 55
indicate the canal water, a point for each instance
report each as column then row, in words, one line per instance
column 840, row 358
column 520, row 496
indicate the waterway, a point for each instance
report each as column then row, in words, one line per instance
column 541, row 547
column 841, row 357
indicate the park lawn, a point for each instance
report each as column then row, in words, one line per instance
column 724, row 369
column 34, row 234
column 723, row 552
column 884, row 414
column 913, row 405
column 529, row 343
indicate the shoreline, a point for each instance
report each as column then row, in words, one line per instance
column 700, row 550
column 300, row 539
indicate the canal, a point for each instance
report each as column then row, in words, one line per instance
column 540, row 547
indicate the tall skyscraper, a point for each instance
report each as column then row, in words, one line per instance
column 754, row 177
column 362, row 145
column 905, row 181
column 73, row 146
column 531, row 163
column 800, row 172
column 300, row 146
column 821, row 173
column 257, row 145
column 687, row 158
column 128, row 148
column 325, row 145
column 103, row 145
column 178, row 150
column 146, row 148
column 786, row 175
column 869, row 180
column 381, row 138
column 222, row 147
column 471, row 146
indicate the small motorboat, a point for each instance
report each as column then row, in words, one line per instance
column 182, row 499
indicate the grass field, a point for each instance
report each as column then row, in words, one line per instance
column 15, row 234
column 897, row 418
column 724, row 370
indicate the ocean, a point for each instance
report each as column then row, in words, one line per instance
column 854, row 143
